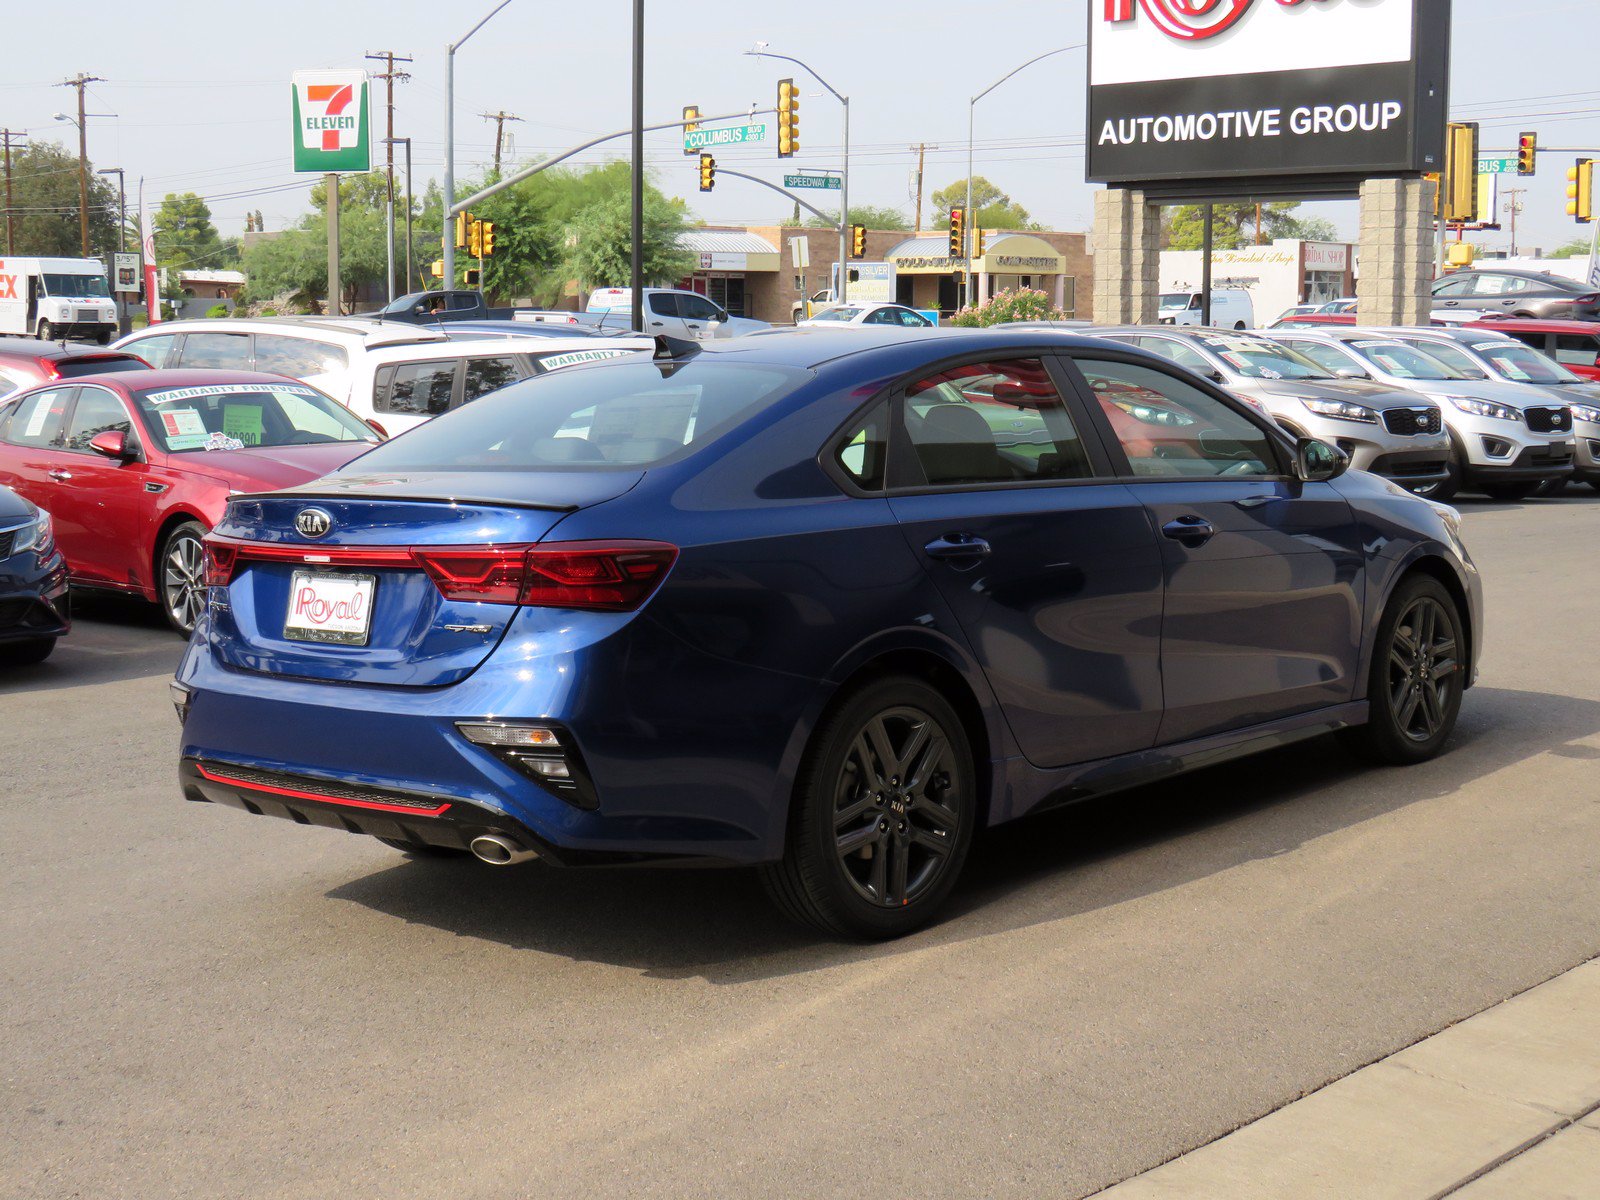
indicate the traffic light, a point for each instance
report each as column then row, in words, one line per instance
column 436, row 268
column 473, row 275
column 980, row 242
column 463, row 219
column 1527, row 151
column 1460, row 203
column 486, row 237
column 858, row 241
column 708, row 172
column 691, row 124
column 788, row 118
column 474, row 237
column 1580, row 191
column 958, row 233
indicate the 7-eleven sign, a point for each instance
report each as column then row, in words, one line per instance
column 332, row 129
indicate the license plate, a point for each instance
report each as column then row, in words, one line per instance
column 330, row 608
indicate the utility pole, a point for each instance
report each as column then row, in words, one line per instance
column 1513, row 207
column 390, row 76
column 80, row 82
column 922, row 149
column 499, row 119
column 6, row 135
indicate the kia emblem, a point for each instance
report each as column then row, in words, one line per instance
column 313, row 522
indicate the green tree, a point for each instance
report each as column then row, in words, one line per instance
column 1234, row 225
column 994, row 209
column 296, row 261
column 870, row 215
column 44, row 201
column 1573, row 249
column 185, row 236
column 601, row 243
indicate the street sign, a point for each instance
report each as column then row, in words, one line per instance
column 728, row 135
column 332, row 123
column 1497, row 164
column 827, row 182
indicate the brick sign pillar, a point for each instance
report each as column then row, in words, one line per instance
column 1127, row 257
column 1396, row 262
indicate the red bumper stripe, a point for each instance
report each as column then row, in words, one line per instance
column 341, row 800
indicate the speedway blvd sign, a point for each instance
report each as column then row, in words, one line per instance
column 332, row 122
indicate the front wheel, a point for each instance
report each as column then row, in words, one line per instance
column 33, row 650
column 103, row 338
column 1418, row 673
column 183, row 584
column 883, row 815
column 45, row 331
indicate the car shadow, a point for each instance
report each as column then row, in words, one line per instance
column 718, row 926
column 113, row 638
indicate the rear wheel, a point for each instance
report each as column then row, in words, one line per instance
column 183, row 585
column 883, row 815
column 1418, row 673
column 33, row 650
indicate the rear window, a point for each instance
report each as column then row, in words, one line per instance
column 296, row 357
column 98, row 364
column 615, row 417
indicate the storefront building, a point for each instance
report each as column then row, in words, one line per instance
column 1286, row 273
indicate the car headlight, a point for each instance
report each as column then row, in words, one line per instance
column 38, row 536
column 1153, row 416
column 1340, row 410
column 1484, row 408
column 1582, row 412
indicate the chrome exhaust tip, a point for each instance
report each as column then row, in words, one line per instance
column 499, row 851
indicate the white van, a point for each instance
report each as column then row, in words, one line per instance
column 1231, row 308
column 49, row 298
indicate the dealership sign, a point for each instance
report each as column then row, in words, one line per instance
column 332, row 125
column 1210, row 90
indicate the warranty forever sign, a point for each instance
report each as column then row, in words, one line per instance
column 332, row 125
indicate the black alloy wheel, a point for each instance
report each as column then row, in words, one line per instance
column 1418, row 674
column 183, row 583
column 883, row 815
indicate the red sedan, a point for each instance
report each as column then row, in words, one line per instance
column 25, row 362
column 137, row 467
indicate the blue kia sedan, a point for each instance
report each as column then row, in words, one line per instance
column 824, row 603
column 33, row 583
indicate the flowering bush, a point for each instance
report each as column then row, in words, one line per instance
column 1024, row 304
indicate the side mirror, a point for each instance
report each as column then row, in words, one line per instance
column 1216, row 377
column 1317, row 462
column 113, row 443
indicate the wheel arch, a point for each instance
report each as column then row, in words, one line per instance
column 169, row 521
column 1430, row 562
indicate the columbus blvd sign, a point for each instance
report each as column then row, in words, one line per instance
column 1206, row 91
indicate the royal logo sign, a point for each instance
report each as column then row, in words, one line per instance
column 1189, row 20
column 332, row 125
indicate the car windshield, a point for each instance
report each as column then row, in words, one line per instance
column 1257, row 358
column 1407, row 362
column 837, row 314
column 1457, row 359
column 76, row 286
column 1520, row 364
column 1175, row 299
column 613, row 416
column 237, row 416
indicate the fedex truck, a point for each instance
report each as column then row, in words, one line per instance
column 56, row 298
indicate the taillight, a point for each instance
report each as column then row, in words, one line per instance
column 219, row 558
column 486, row 574
column 599, row 576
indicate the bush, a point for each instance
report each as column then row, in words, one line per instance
column 218, row 310
column 1024, row 304
column 268, row 311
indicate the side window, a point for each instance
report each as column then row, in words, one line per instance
column 419, row 389
column 1172, row 429
column 664, row 304
column 1576, row 350
column 882, row 316
column 97, row 411
column 36, row 420
column 862, row 451
column 1175, row 351
column 229, row 351
column 1459, row 286
column 993, row 422
column 463, row 302
column 484, row 375
column 153, row 349
column 1194, row 302
column 295, row 357
column 1491, row 285
column 698, row 308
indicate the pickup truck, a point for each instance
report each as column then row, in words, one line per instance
column 670, row 311
column 432, row 308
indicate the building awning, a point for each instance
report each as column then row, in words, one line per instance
column 1006, row 254
column 730, row 250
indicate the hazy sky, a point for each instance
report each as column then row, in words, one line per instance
column 201, row 96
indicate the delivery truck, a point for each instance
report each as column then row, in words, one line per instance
column 56, row 298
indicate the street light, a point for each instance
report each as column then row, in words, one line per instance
column 124, row 321
column 450, row 141
column 972, row 108
column 759, row 50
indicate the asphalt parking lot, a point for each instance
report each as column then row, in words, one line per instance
column 199, row 1003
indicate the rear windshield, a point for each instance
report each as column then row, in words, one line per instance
column 235, row 416
column 616, row 416
column 90, row 364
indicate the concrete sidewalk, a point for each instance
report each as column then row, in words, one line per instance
column 1503, row 1106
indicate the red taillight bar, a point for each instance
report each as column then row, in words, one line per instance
column 612, row 576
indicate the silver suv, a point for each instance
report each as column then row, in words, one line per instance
column 1386, row 430
column 1505, row 439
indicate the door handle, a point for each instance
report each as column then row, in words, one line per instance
column 1191, row 531
column 657, row 324
column 59, row 475
column 959, row 546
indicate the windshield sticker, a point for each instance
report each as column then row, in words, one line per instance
column 581, row 356
column 36, row 419
column 1497, row 346
column 1246, row 345
column 243, row 421
column 183, row 422
column 1376, row 345
column 221, row 441
column 226, row 389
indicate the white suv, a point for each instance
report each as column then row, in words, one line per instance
column 389, row 373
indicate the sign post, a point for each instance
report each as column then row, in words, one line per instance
column 332, row 134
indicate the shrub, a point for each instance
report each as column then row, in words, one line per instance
column 1024, row 304
column 218, row 310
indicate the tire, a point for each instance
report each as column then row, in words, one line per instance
column 1238, row 326
column 1417, row 677
column 1553, row 488
column 180, row 577
column 421, row 849
column 25, row 653
column 103, row 338
column 1512, row 491
column 45, row 331
column 1445, row 490
column 892, row 768
column 1595, row 484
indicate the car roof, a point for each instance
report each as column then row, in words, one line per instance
column 490, row 344
column 1519, row 272
column 354, row 332
column 809, row 347
column 175, row 377
column 1537, row 325
column 33, row 348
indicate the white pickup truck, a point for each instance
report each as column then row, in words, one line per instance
column 670, row 311
column 56, row 297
